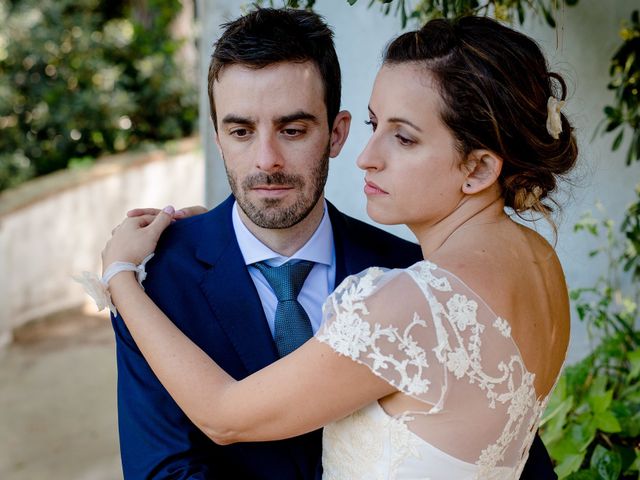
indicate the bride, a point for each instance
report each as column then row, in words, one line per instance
column 441, row 370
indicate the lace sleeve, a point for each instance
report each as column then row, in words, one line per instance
column 381, row 318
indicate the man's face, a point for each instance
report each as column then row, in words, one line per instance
column 273, row 135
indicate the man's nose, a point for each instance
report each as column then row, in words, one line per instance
column 269, row 156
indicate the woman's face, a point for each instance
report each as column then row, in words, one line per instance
column 413, row 170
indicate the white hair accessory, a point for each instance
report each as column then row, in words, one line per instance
column 98, row 288
column 554, row 122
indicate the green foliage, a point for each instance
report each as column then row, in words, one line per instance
column 83, row 77
column 592, row 423
column 306, row 4
column 507, row 10
column 424, row 10
column 625, row 82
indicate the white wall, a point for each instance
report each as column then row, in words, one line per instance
column 580, row 49
column 55, row 227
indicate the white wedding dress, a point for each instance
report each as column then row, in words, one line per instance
column 431, row 337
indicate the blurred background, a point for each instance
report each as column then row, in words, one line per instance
column 103, row 107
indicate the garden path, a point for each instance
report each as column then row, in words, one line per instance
column 58, row 400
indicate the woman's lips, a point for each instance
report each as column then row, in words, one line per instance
column 371, row 188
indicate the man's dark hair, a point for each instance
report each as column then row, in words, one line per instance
column 268, row 36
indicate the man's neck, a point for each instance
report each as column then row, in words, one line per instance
column 287, row 241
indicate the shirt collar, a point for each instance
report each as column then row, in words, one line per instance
column 319, row 248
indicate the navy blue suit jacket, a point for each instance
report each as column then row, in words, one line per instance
column 199, row 279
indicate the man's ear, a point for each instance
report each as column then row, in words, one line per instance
column 339, row 132
column 482, row 169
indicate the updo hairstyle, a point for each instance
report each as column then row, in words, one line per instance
column 495, row 85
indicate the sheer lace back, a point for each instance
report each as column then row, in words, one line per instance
column 431, row 337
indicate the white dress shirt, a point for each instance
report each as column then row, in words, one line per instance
column 318, row 285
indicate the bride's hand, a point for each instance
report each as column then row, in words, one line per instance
column 177, row 215
column 136, row 237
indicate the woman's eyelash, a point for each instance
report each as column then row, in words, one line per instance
column 371, row 123
column 404, row 140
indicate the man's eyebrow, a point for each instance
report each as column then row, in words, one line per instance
column 299, row 115
column 231, row 118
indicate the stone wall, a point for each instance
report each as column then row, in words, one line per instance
column 55, row 226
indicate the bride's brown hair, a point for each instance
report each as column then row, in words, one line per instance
column 495, row 85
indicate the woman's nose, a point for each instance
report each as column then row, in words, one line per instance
column 370, row 157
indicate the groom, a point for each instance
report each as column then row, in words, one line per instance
column 274, row 89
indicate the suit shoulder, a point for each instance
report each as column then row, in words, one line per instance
column 371, row 245
column 186, row 232
column 180, row 232
column 376, row 234
column 179, row 244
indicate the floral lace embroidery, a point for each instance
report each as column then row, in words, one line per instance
column 502, row 326
column 403, row 442
column 350, row 335
column 462, row 312
column 459, row 341
column 466, row 360
column 351, row 446
column 355, row 445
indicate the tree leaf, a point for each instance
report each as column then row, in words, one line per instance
column 634, row 361
column 612, row 125
column 635, row 466
column 600, row 402
column 584, row 475
column 607, row 463
column 555, row 419
column 599, row 385
column 607, row 422
column 617, row 141
column 569, row 464
column 520, row 13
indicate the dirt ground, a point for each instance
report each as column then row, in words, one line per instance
column 58, row 400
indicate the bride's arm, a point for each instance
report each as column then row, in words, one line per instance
column 301, row 392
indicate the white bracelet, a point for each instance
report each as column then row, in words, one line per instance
column 98, row 288
column 117, row 267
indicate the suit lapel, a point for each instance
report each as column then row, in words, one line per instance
column 351, row 252
column 236, row 306
column 230, row 291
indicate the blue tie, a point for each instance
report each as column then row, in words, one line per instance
column 292, row 324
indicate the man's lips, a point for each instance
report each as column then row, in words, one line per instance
column 272, row 190
column 271, row 187
column 371, row 188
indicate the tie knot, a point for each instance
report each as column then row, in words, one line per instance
column 286, row 280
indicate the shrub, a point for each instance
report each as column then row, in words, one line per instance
column 81, row 78
column 592, row 423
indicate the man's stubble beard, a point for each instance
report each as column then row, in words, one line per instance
column 267, row 213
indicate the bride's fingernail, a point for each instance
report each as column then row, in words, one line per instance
column 168, row 209
column 179, row 213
